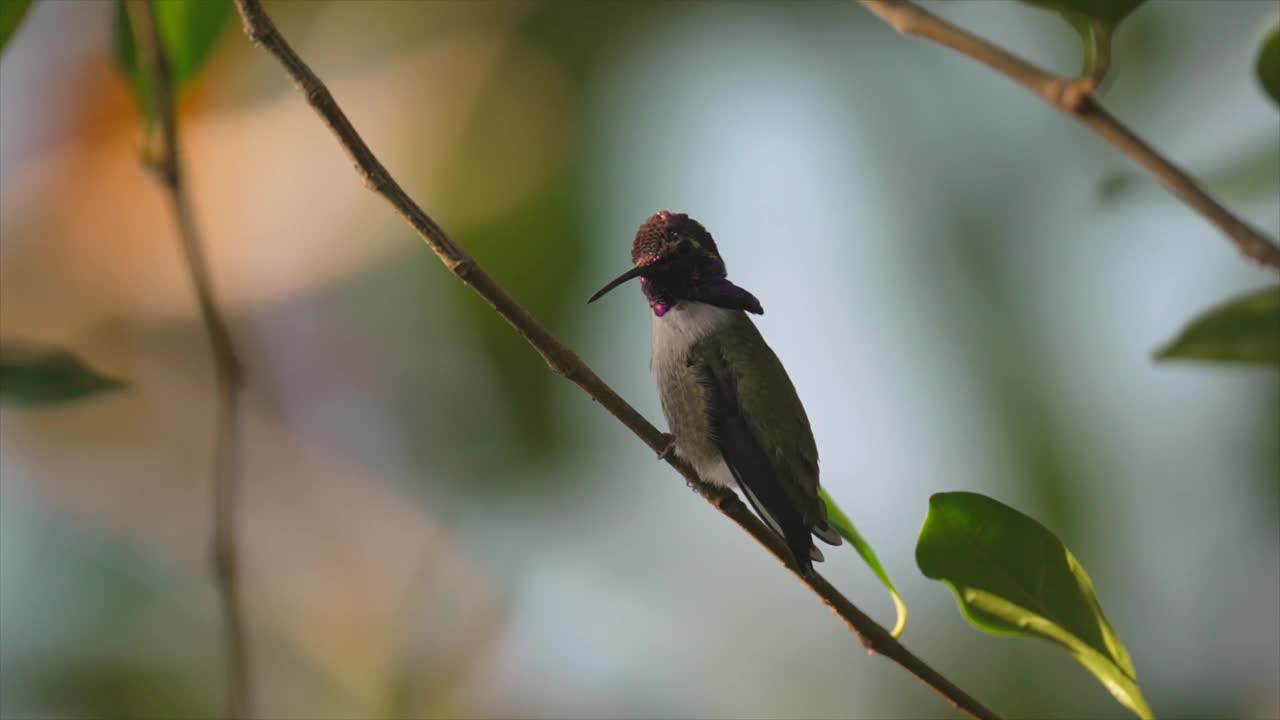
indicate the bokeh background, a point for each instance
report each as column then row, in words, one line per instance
column 966, row 287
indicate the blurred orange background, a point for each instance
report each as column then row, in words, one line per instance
column 965, row 286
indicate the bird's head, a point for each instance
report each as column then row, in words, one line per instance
column 677, row 260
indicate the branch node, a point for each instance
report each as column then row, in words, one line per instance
column 668, row 446
column 462, row 268
column 1073, row 95
column 316, row 93
column 1076, row 98
column 256, row 34
column 375, row 181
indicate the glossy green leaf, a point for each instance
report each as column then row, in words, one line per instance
column 843, row 525
column 1012, row 576
column 1245, row 330
column 44, row 376
column 189, row 30
column 11, row 14
column 1268, row 66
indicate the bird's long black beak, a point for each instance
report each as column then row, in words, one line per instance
column 635, row 272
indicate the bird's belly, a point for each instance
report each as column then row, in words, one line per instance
column 683, row 406
column 683, row 398
column 714, row 471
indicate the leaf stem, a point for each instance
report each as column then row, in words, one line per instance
column 1097, row 57
column 564, row 362
column 1075, row 97
column 165, row 160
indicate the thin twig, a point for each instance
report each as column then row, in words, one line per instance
column 1075, row 98
column 165, row 160
column 564, row 362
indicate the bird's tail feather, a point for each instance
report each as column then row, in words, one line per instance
column 827, row 534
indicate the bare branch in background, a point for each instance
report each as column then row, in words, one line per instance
column 1074, row 96
column 564, row 362
column 165, row 160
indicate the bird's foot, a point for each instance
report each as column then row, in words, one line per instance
column 668, row 446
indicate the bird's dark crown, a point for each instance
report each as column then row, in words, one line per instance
column 666, row 234
column 684, row 264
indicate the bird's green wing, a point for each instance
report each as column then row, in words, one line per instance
column 763, row 434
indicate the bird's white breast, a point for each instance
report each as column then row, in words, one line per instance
column 673, row 334
column 682, row 326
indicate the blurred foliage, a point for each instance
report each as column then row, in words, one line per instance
column 539, row 249
column 1268, row 67
column 536, row 248
column 1012, row 576
column 110, row 653
column 189, row 30
column 1012, row 382
column 843, row 525
column 995, row 353
column 33, row 375
column 1252, row 173
column 536, row 251
column 11, row 14
column 581, row 36
column 1246, row 330
column 110, row 689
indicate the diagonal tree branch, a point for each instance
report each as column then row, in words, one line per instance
column 564, row 362
column 165, row 159
column 1074, row 96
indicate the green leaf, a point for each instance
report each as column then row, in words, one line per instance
column 189, row 30
column 1268, row 66
column 1246, row 330
column 11, row 14
column 1012, row 576
column 843, row 525
column 1107, row 12
column 45, row 376
column 1094, row 21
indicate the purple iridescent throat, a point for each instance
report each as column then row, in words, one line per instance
column 720, row 293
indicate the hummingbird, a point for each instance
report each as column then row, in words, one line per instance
column 733, row 412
